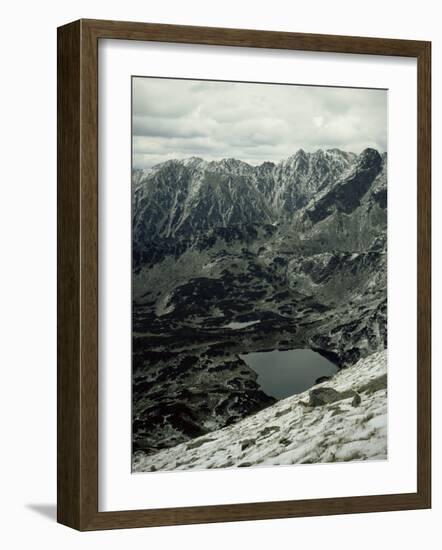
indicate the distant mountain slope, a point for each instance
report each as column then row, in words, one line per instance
column 343, row 419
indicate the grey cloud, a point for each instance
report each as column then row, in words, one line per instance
column 253, row 122
column 190, row 146
column 167, row 127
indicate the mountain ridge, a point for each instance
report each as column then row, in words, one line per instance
column 180, row 197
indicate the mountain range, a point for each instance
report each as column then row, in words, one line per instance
column 298, row 247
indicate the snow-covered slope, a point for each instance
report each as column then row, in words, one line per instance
column 342, row 419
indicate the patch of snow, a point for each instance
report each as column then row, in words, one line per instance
column 234, row 325
column 165, row 306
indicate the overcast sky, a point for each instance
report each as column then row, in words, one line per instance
column 252, row 122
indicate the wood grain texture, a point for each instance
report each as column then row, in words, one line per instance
column 68, row 276
column 424, row 274
column 252, row 38
column 78, row 274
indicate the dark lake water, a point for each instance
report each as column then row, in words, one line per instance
column 284, row 373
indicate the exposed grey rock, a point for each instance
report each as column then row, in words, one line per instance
column 323, row 396
column 356, row 401
column 322, row 379
column 374, row 385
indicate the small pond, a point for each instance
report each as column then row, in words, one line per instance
column 284, row 373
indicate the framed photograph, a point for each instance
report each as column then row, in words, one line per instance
column 243, row 274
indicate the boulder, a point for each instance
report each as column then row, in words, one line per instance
column 323, row 396
column 356, row 400
column 322, row 379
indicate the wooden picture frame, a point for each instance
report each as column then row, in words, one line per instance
column 78, row 274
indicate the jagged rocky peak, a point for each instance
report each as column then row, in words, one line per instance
column 299, row 178
column 193, row 162
column 231, row 166
column 350, row 192
column 340, row 154
column 266, row 166
column 303, row 160
column 369, row 158
column 296, row 163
